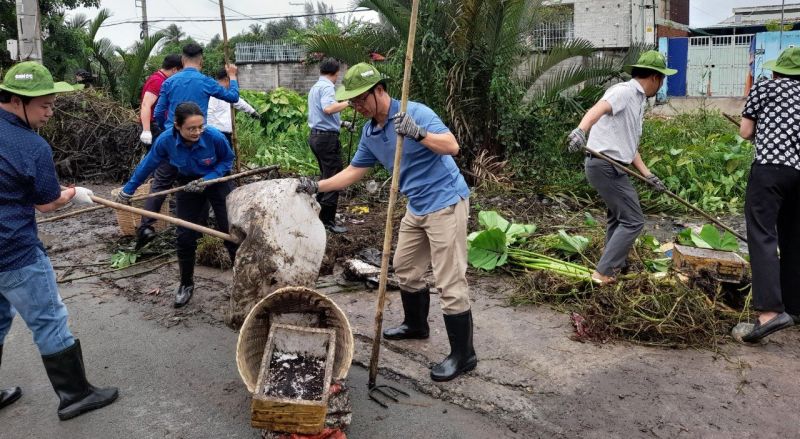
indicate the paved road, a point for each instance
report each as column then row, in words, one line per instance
column 182, row 382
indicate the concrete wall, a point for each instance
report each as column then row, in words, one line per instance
column 268, row 76
column 732, row 106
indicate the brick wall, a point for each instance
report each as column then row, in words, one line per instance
column 678, row 11
column 671, row 32
column 268, row 76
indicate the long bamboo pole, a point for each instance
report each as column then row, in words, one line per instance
column 177, row 221
column 674, row 196
column 227, row 55
column 165, row 192
column 387, row 236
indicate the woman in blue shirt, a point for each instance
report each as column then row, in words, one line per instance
column 199, row 153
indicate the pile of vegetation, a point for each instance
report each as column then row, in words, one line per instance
column 94, row 137
column 651, row 305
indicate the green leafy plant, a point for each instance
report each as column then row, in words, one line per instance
column 589, row 220
column 123, row 259
column 571, row 244
column 709, row 237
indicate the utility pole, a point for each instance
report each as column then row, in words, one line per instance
column 145, row 31
column 29, row 31
column 780, row 36
column 227, row 54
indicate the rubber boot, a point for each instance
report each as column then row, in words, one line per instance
column 462, row 354
column 8, row 396
column 186, row 288
column 327, row 215
column 415, row 321
column 68, row 377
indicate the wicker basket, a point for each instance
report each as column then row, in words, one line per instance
column 255, row 330
column 129, row 222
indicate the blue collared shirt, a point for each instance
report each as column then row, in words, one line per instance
column 431, row 181
column 321, row 95
column 189, row 85
column 210, row 157
column 27, row 178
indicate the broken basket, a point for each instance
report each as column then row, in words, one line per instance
column 302, row 411
column 129, row 222
column 291, row 300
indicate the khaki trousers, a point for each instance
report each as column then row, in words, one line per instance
column 438, row 239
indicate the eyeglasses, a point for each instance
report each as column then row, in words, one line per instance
column 360, row 99
column 193, row 130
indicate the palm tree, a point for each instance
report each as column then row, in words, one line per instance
column 256, row 29
column 466, row 60
column 135, row 61
column 173, row 33
column 102, row 51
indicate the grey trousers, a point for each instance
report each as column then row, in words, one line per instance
column 625, row 219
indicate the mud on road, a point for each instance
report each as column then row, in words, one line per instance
column 531, row 376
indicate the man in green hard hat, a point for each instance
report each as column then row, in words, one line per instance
column 771, row 119
column 434, row 228
column 616, row 126
column 28, row 183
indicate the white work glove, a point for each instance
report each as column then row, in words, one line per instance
column 83, row 196
column 346, row 124
column 576, row 140
column 405, row 126
column 146, row 137
column 123, row 198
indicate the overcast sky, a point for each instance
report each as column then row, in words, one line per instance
column 703, row 13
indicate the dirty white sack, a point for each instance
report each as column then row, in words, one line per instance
column 282, row 242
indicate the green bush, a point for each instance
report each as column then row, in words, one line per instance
column 700, row 157
column 281, row 136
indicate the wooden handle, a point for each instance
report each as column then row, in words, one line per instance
column 167, row 218
column 160, row 193
column 628, row 171
column 387, row 234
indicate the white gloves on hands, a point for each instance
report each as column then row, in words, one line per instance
column 146, row 137
column 82, row 196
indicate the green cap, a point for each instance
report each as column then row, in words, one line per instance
column 358, row 79
column 788, row 62
column 653, row 60
column 32, row 79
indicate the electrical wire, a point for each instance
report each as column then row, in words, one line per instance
column 246, row 18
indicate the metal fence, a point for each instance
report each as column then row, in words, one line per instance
column 718, row 65
column 548, row 34
column 270, row 51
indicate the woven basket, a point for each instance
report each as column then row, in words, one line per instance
column 255, row 330
column 129, row 222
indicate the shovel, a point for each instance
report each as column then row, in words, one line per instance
column 390, row 392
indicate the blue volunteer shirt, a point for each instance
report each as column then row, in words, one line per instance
column 322, row 94
column 431, row 181
column 210, row 157
column 27, row 178
column 189, row 85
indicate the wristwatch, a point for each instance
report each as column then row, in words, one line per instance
column 421, row 134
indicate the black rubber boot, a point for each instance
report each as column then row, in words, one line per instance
column 327, row 215
column 8, row 396
column 462, row 354
column 415, row 321
column 68, row 377
column 186, row 288
column 144, row 235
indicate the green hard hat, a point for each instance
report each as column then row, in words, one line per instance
column 32, row 79
column 653, row 60
column 358, row 79
column 788, row 62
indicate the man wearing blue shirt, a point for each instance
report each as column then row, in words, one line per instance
column 434, row 228
column 28, row 183
column 199, row 153
column 324, row 121
column 188, row 85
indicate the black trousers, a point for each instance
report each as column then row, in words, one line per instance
column 772, row 212
column 328, row 151
column 192, row 207
column 163, row 179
